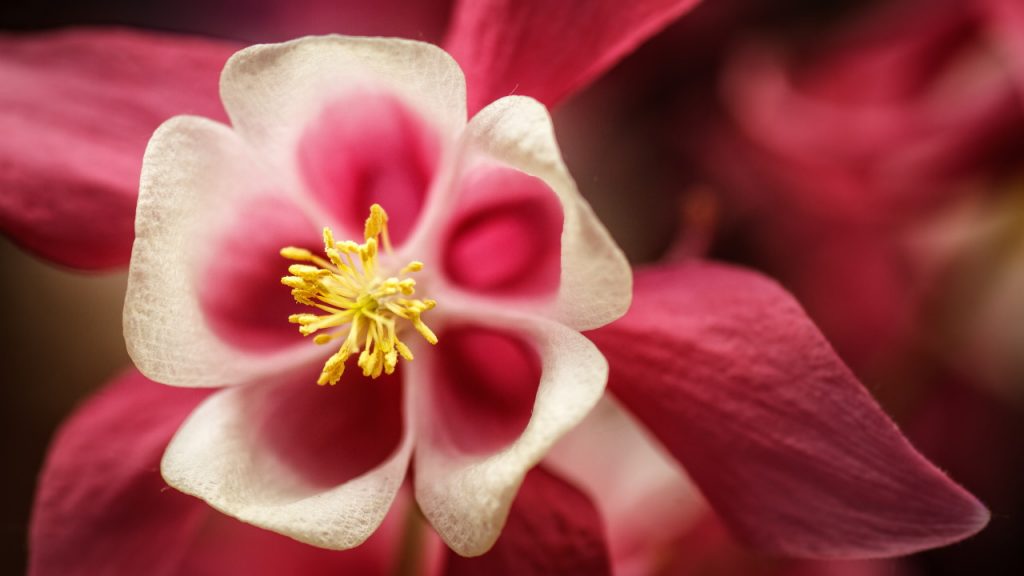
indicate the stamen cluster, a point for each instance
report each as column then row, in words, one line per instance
column 348, row 287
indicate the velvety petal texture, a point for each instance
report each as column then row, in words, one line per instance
column 709, row 548
column 76, row 109
column 547, row 50
column 729, row 373
column 102, row 507
column 552, row 529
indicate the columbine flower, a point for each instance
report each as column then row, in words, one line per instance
column 720, row 365
column 332, row 129
column 325, row 132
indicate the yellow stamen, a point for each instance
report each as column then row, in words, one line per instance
column 356, row 299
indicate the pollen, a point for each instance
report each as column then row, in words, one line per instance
column 363, row 308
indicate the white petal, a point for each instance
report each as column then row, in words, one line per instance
column 195, row 175
column 466, row 497
column 273, row 91
column 596, row 280
column 217, row 456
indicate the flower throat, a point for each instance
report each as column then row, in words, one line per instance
column 348, row 287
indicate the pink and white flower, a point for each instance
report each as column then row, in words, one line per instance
column 720, row 366
column 323, row 129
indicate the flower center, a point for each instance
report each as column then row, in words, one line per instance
column 365, row 306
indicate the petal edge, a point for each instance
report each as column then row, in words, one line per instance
column 784, row 442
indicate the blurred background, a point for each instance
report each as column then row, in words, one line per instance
column 869, row 155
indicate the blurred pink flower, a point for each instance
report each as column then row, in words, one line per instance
column 853, row 148
column 719, row 364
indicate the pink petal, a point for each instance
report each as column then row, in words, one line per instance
column 102, row 508
column 708, row 548
column 548, row 50
column 727, row 371
column 76, row 109
column 101, row 484
column 505, row 239
column 552, row 529
column 369, row 148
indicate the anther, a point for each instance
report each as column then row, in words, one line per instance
column 364, row 307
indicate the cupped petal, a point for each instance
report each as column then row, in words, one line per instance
column 465, row 491
column 505, row 237
column 482, row 387
column 275, row 93
column 644, row 497
column 237, row 272
column 552, row 529
column 102, row 507
column 516, row 133
column 318, row 464
column 730, row 374
column 76, row 109
column 548, row 50
column 197, row 258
